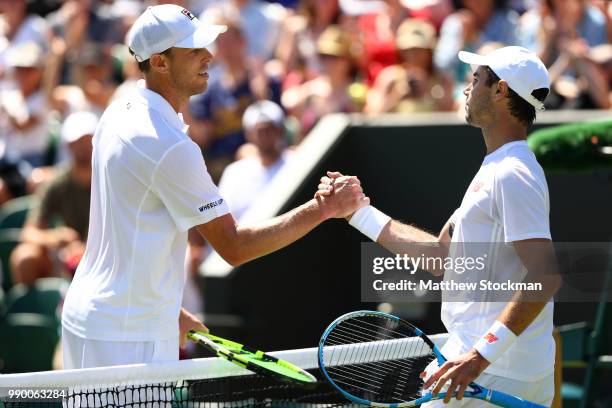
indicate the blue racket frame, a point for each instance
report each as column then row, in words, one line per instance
column 477, row 391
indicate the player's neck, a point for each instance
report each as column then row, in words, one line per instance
column 169, row 93
column 500, row 132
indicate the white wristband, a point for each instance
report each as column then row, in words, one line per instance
column 496, row 341
column 369, row 221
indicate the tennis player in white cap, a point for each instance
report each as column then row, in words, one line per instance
column 507, row 346
column 149, row 186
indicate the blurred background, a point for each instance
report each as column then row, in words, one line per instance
column 298, row 87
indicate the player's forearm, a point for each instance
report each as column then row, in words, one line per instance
column 254, row 241
column 538, row 257
column 399, row 238
column 525, row 306
column 519, row 314
column 409, row 240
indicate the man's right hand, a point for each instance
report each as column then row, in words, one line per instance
column 340, row 196
column 326, row 185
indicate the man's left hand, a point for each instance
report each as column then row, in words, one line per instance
column 460, row 371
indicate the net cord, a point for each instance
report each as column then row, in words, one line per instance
column 142, row 374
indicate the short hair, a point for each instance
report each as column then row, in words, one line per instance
column 519, row 107
column 145, row 66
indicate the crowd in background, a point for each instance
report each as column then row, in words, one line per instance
column 278, row 69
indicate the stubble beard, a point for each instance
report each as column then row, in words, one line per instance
column 475, row 111
column 469, row 118
column 188, row 87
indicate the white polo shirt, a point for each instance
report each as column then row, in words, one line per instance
column 507, row 201
column 149, row 186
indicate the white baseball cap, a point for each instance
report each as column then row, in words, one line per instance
column 263, row 112
column 77, row 125
column 519, row 67
column 168, row 25
column 26, row 55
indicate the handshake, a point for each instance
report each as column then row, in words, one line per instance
column 339, row 196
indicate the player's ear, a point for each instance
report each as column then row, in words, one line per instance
column 159, row 62
column 502, row 89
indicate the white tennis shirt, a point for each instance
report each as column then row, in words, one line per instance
column 149, row 186
column 507, row 201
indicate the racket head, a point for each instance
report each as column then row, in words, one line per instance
column 254, row 360
column 374, row 358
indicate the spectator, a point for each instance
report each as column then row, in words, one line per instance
column 414, row 85
column 17, row 27
column 433, row 11
column 331, row 90
column 474, row 24
column 297, row 47
column 577, row 81
column 30, row 262
column 244, row 180
column 545, row 29
column 92, row 86
column 13, row 179
column 77, row 26
column 605, row 6
column 260, row 21
column 374, row 32
column 24, row 126
column 130, row 73
column 601, row 55
column 216, row 115
column 80, row 22
column 562, row 33
column 66, row 198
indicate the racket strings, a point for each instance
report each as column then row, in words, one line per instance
column 379, row 359
column 383, row 361
column 397, row 346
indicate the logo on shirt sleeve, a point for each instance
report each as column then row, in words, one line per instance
column 210, row 205
column 490, row 338
column 477, row 186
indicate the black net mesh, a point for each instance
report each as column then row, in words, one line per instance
column 234, row 391
column 213, row 382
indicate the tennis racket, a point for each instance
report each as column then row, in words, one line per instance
column 376, row 359
column 253, row 360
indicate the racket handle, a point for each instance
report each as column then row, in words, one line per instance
column 509, row 401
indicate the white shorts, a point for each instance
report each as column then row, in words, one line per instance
column 541, row 392
column 78, row 352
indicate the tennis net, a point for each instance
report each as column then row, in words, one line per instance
column 205, row 382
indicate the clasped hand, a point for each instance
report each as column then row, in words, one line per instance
column 340, row 196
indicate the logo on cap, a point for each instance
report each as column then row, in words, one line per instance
column 187, row 14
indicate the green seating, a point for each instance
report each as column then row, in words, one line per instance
column 575, row 337
column 9, row 238
column 14, row 212
column 27, row 342
column 43, row 298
